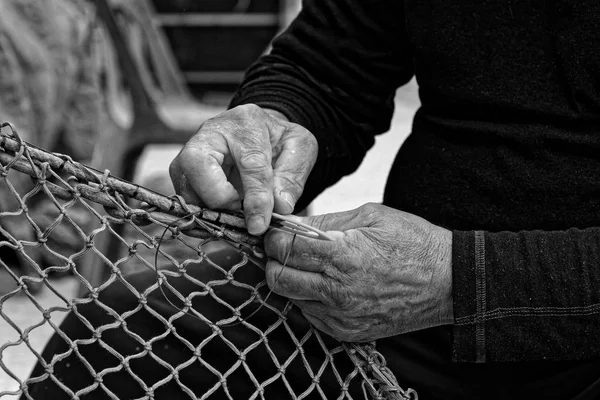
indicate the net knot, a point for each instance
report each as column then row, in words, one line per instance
column 42, row 173
column 103, row 184
column 136, row 215
column 79, row 186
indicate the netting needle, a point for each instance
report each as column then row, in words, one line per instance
column 289, row 224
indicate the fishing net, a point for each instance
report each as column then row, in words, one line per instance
column 183, row 311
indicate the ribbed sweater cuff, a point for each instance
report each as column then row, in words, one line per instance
column 469, row 296
column 271, row 100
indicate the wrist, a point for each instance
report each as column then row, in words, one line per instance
column 443, row 266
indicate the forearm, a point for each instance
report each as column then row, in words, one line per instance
column 531, row 295
column 335, row 72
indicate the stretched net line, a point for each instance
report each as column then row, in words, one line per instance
column 195, row 324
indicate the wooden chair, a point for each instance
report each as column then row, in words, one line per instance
column 156, row 108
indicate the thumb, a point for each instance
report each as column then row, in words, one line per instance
column 342, row 221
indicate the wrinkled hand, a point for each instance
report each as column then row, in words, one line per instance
column 250, row 154
column 387, row 272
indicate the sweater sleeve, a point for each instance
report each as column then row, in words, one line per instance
column 530, row 295
column 335, row 71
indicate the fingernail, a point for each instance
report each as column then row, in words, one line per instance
column 288, row 199
column 256, row 225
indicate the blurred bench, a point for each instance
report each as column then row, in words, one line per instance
column 148, row 103
column 215, row 41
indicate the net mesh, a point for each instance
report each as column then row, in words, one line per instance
column 183, row 312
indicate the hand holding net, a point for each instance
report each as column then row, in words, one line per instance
column 172, row 319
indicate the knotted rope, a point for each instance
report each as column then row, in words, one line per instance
column 68, row 184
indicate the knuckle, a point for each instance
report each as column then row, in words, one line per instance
column 369, row 210
column 214, row 200
column 224, row 125
column 210, row 126
column 292, row 183
column 246, row 110
column 188, row 156
column 256, row 196
column 311, row 144
column 254, row 161
column 256, row 201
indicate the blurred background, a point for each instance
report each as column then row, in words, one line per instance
column 214, row 41
column 121, row 85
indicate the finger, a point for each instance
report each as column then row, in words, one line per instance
column 319, row 324
column 339, row 221
column 295, row 161
column 198, row 173
column 294, row 283
column 252, row 155
column 186, row 191
column 313, row 307
column 304, row 253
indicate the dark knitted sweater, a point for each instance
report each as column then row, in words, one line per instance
column 505, row 151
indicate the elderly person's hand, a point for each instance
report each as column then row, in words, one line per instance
column 250, row 154
column 387, row 272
